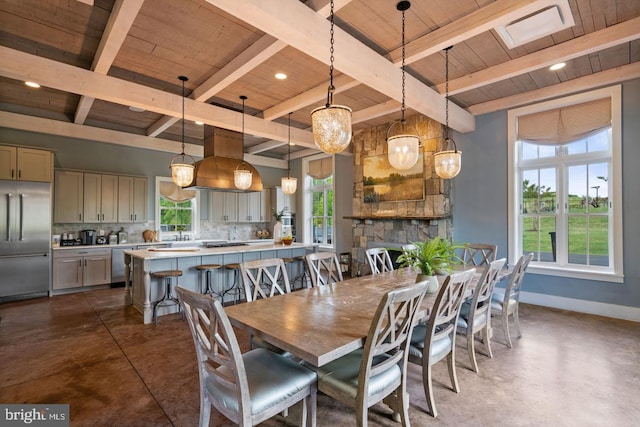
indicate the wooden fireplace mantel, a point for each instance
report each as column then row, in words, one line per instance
column 397, row 218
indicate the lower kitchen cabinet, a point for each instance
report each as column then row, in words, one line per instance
column 76, row 268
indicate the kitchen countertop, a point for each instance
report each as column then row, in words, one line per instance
column 146, row 254
column 179, row 243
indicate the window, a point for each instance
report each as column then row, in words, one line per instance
column 318, row 209
column 176, row 209
column 564, row 197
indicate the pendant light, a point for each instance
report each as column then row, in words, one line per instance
column 331, row 124
column 289, row 184
column 182, row 173
column 447, row 162
column 403, row 146
column 242, row 177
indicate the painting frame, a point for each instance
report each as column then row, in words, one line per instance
column 383, row 183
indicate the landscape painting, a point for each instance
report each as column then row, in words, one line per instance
column 383, row 183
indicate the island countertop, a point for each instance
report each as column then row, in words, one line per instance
column 187, row 251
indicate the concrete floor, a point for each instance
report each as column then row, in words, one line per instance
column 90, row 351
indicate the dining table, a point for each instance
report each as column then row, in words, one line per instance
column 321, row 324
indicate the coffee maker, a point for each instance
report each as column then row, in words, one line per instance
column 88, row 237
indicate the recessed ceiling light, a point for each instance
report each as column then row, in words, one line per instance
column 557, row 66
column 281, row 76
column 199, row 123
column 32, row 84
column 137, row 109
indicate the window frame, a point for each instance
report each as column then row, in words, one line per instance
column 195, row 214
column 307, row 210
column 614, row 273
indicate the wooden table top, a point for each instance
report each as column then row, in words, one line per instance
column 321, row 324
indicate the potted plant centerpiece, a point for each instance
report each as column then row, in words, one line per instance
column 435, row 256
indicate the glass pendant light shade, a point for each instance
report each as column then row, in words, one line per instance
column 289, row 185
column 448, row 162
column 331, row 128
column 403, row 151
column 331, row 124
column 403, row 148
column 181, row 171
column 242, row 177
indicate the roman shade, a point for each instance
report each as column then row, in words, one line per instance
column 321, row 168
column 174, row 193
column 566, row 124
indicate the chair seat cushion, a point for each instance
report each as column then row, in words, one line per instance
column 271, row 378
column 342, row 374
column 479, row 321
column 497, row 300
column 439, row 347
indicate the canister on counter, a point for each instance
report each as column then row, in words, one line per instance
column 123, row 236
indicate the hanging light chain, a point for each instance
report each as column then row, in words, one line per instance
column 243, row 99
column 184, row 79
column 331, row 49
column 403, row 71
column 446, row 90
column 289, row 150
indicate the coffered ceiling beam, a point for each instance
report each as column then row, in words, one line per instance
column 242, row 64
column 593, row 81
column 352, row 57
column 23, row 66
column 265, row 146
column 581, row 46
column 122, row 16
column 482, row 20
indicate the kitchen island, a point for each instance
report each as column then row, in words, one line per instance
column 139, row 264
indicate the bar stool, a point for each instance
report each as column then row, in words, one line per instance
column 166, row 299
column 303, row 277
column 235, row 289
column 207, row 270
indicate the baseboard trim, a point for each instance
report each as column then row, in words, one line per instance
column 582, row 306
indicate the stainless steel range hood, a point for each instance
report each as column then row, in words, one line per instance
column 223, row 151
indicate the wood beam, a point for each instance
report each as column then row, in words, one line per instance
column 581, row 46
column 482, row 20
column 122, row 16
column 305, row 153
column 352, row 57
column 388, row 107
column 593, row 81
column 265, row 146
column 23, row 66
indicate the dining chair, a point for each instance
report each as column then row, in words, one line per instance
column 264, row 278
column 324, row 268
column 435, row 340
column 479, row 253
column 475, row 314
column 236, row 384
column 505, row 302
column 378, row 371
column 379, row 260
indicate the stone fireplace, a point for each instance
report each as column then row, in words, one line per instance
column 392, row 224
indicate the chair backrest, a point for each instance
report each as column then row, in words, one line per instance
column 267, row 273
column 324, row 268
column 481, row 301
column 479, row 253
column 390, row 333
column 379, row 260
column 515, row 280
column 216, row 345
column 444, row 314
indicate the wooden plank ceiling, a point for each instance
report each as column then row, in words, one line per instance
column 94, row 61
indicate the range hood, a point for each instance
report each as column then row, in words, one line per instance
column 223, row 151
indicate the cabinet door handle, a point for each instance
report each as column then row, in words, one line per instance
column 13, row 172
column 80, row 263
column 98, row 217
column 131, row 217
column 19, row 173
column 80, row 216
column 103, row 217
column 135, row 217
column 85, row 262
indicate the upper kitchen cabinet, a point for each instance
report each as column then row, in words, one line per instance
column 25, row 164
column 132, row 199
column 223, row 206
column 253, row 207
column 69, row 196
column 100, row 198
column 279, row 200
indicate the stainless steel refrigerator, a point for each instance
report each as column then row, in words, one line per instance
column 25, row 235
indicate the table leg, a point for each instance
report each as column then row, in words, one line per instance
column 147, row 308
column 128, row 298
